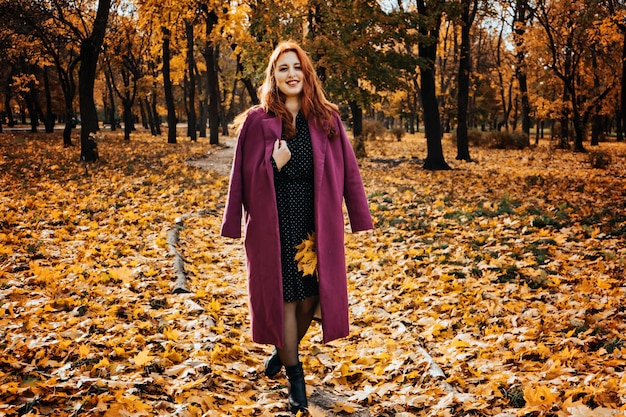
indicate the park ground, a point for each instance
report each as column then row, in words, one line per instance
column 493, row 289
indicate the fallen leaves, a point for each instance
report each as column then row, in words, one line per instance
column 493, row 289
column 306, row 256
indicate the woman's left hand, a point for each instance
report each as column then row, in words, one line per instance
column 281, row 153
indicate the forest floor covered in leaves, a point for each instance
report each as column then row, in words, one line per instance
column 493, row 289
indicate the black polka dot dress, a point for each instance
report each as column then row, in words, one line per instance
column 294, row 196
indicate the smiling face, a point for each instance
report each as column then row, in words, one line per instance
column 288, row 74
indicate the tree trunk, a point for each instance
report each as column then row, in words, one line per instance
column 68, row 86
column 89, row 52
column 67, row 130
column 7, row 100
column 233, row 98
column 151, row 121
column 596, row 120
column 537, row 124
column 48, row 119
column 113, row 113
column 254, row 98
column 167, row 87
column 579, row 130
column 155, row 113
column 144, row 114
column 128, row 118
column 29, row 98
column 465, row 67
column 564, row 121
column 596, row 129
column 623, row 89
column 192, row 118
column 523, row 85
column 519, row 24
column 202, row 120
column 432, row 124
column 357, row 129
column 203, row 102
column 210, row 55
column 223, row 120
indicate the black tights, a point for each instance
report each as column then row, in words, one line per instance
column 297, row 318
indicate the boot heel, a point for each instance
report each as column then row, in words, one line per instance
column 273, row 364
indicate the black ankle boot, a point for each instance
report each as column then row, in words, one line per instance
column 297, row 389
column 273, row 364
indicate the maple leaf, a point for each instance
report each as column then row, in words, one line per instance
column 143, row 358
column 540, row 396
column 307, row 255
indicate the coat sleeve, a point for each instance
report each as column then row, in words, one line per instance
column 354, row 192
column 231, row 221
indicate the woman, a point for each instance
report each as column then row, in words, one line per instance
column 293, row 168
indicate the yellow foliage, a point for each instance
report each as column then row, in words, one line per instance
column 307, row 255
column 540, row 396
column 143, row 358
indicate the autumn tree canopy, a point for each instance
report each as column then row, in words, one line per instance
column 499, row 63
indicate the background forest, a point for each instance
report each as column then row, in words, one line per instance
column 434, row 65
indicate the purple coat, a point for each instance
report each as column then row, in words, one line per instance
column 251, row 193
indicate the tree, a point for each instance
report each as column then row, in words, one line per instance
column 403, row 57
column 521, row 17
column 167, row 87
column 347, row 40
column 210, row 52
column 191, row 81
column 430, row 14
column 568, row 36
column 617, row 13
column 503, row 62
column 89, row 52
column 58, row 41
column 468, row 13
column 125, row 51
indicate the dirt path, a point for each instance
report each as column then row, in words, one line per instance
column 219, row 157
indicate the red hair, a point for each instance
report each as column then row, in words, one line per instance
column 313, row 100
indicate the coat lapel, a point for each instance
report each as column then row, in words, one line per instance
column 272, row 130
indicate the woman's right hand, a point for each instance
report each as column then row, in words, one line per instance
column 281, row 153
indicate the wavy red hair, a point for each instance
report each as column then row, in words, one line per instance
column 313, row 99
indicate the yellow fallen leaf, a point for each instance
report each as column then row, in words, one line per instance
column 83, row 351
column 214, row 305
column 143, row 358
column 104, row 363
column 605, row 284
column 170, row 334
column 307, row 255
column 540, row 396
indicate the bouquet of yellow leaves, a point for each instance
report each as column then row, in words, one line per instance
column 307, row 255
